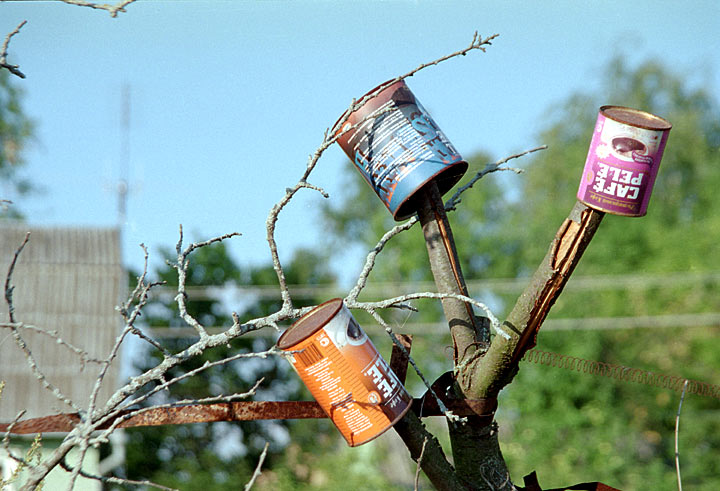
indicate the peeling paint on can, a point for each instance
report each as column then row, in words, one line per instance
column 344, row 372
column 623, row 160
column 398, row 148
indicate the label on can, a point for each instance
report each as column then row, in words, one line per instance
column 400, row 149
column 623, row 160
column 344, row 372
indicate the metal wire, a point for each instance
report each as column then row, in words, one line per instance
column 622, row 373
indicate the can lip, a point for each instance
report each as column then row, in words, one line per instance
column 309, row 324
column 595, row 206
column 636, row 117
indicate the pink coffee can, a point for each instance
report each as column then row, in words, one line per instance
column 623, row 160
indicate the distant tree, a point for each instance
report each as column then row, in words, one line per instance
column 581, row 426
column 623, row 434
column 16, row 132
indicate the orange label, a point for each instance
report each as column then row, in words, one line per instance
column 350, row 380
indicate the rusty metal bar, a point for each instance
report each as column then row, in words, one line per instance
column 211, row 413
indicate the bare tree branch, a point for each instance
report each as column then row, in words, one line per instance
column 677, row 436
column 493, row 167
column 181, row 266
column 477, row 43
column 55, row 336
column 14, row 69
column 112, row 9
column 417, row 469
column 258, row 468
column 113, row 480
column 19, row 340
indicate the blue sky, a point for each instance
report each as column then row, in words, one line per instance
column 228, row 98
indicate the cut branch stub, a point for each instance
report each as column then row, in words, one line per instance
column 568, row 246
column 399, row 359
column 499, row 364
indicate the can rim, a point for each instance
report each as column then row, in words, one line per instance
column 446, row 178
column 300, row 331
column 389, row 83
column 595, row 206
column 616, row 113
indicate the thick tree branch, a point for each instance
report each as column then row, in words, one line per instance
column 467, row 333
column 422, row 443
column 498, row 366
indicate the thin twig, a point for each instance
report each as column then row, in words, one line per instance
column 112, row 9
column 8, row 279
column 14, row 69
column 493, row 167
column 82, row 354
column 166, row 384
column 113, row 480
column 677, row 434
column 6, row 438
column 19, row 340
column 140, row 295
column 477, row 43
column 399, row 302
column 419, row 461
column 181, row 266
column 258, row 468
column 405, row 352
column 371, row 257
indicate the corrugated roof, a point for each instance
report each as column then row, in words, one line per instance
column 68, row 280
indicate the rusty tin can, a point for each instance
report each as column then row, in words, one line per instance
column 400, row 149
column 623, row 160
column 344, row 372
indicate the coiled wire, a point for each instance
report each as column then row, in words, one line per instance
column 621, row 372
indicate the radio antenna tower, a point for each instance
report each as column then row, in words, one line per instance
column 124, row 182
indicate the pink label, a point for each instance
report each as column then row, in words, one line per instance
column 621, row 167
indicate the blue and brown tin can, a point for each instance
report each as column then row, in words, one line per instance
column 623, row 160
column 398, row 148
column 344, row 372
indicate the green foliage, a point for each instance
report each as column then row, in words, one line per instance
column 33, row 456
column 16, row 131
column 573, row 427
column 568, row 426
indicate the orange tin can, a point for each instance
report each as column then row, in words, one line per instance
column 344, row 372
